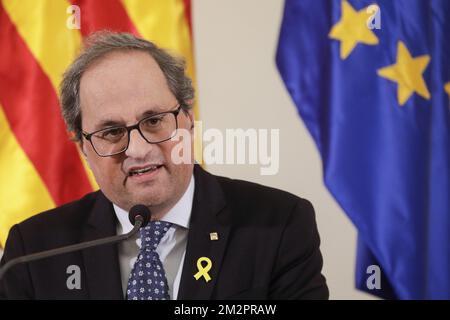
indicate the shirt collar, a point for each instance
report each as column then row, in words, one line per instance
column 180, row 214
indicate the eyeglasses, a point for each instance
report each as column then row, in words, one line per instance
column 157, row 128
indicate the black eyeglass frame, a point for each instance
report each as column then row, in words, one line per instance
column 136, row 126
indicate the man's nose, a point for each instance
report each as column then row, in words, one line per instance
column 138, row 147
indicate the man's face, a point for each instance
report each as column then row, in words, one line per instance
column 121, row 89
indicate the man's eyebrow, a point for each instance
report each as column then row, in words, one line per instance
column 151, row 112
column 106, row 123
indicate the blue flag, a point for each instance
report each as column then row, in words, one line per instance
column 371, row 81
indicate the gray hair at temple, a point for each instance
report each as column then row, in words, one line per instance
column 100, row 44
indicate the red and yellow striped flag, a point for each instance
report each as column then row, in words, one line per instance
column 40, row 168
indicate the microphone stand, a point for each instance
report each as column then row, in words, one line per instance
column 139, row 220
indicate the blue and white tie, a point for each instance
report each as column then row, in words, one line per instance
column 148, row 279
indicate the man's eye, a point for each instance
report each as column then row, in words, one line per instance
column 153, row 122
column 112, row 133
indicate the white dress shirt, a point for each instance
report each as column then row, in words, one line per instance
column 172, row 247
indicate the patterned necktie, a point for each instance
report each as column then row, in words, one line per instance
column 148, row 279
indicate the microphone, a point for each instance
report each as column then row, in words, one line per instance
column 139, row 217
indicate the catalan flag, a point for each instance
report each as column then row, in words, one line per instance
column 371, row 81
column 40, row 167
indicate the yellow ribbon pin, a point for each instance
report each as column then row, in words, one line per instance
column 203, row 270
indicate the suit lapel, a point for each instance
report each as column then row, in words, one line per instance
column 101, row 263
column 209, row 215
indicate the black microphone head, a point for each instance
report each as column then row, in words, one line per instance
column 140, row 210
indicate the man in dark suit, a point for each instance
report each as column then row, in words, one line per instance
column 128, row 103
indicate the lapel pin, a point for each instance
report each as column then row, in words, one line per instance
column 214, row 236
column 203, row 270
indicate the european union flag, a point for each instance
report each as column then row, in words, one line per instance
column 371, row 81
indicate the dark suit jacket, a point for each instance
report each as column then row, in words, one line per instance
column 268, row 247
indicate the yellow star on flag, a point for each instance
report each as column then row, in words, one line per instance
column 447, row 88
column 408, row 73
column 352, row 29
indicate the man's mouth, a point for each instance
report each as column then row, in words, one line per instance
column 143, row 170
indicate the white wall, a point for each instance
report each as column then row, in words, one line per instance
column 239, row 87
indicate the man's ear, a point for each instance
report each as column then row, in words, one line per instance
column 191, row 117
column 190, row 114
column 81, row 146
